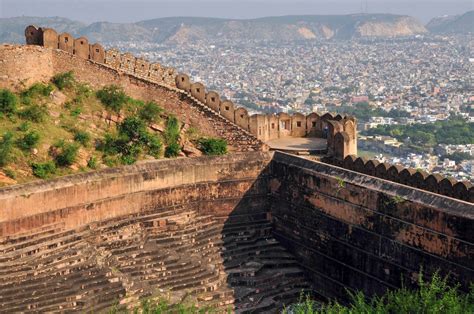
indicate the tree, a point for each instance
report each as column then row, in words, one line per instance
column 8, row 102
column 112, row 97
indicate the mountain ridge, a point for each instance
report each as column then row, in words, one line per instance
column 200, row 29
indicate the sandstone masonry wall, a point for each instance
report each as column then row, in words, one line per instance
column 27, row 64
column 78, row 200
column 435, row 183
column 263, row 127
column 355, row 231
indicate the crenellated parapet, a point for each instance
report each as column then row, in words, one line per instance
column 435, row 183
column 340, row 131
column 267, row 127
column 125, row 62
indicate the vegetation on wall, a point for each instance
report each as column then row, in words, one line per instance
column 57, row 128
column 213, row 146
column 435, row 296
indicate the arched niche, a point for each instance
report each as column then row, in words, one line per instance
column 81, row 47
column 50, row 38
column 97, row 53
column 213, row 100
column 66, row 42
column 312, row 125
column 298, row 125
column 241, row 117
column 33, row 35
column 183, row 83
column 226, row 110
column 198, row 91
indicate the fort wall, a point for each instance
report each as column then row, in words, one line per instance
column 25, row 65
column 264, row 127
column 351, row 230
column 216, row 184
column 435, row 183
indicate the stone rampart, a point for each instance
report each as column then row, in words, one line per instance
column 25, row 65
column 435, row 183
column 263, row 127
column 355, row 231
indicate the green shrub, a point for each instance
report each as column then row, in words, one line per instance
column 43, row 170
column 6, row 148
column 171, row 133
column 213, row 146
column 34, row 113
column 76, row 112
column 154, row 145
column 134, row 128
column 8, row 102
column 132, row 140
column 29, row 141
column 24, row 126
column 64, row 80
column 67, row 153
column 112, row 97
column 435, row 296
column 92, row 162
column 82, row 137
column 37, row 89
column 150, row 112
column 172, row 150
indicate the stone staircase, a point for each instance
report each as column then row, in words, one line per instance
column 230, row 263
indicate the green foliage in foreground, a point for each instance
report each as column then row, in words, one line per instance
column 67, row 153
column 112, row 97
column 434, row 297
column 8, row 102
column 213, row 146
column 64, row 80
column 43, row 170
column 132, row 140
column 162, row 306
column 6, row 147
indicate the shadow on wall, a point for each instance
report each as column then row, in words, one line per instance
column 261, row 274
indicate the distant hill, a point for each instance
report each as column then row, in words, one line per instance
column 454, row 24
column 191, row 29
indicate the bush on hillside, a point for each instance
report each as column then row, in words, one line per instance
column 43, row 170
column 172, row 130
column 6, row 148
column 112, row 97
column 34, row 113
column 29, row 141
column 66, row 153
column 172, row 150
column 8, row 102
column 35, row 90
column 213, row 146
column 64, row 80
column 82, row 137
column 150, row 112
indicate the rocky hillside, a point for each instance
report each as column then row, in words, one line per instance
column 190, row 29
column 453, row 24
column 60, row 127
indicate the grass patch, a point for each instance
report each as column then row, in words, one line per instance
column 8, row 102
column 43, row 170
column 213, row 146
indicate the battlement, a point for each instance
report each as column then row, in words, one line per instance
column 340, row 131
column 435, row 183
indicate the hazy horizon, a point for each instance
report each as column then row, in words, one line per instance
column 126, row 11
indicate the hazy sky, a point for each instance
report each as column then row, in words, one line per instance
column 131, row 11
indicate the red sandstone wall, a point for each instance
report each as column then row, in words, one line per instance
column 355, row 231
column 81, row 199
column 28, row 64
